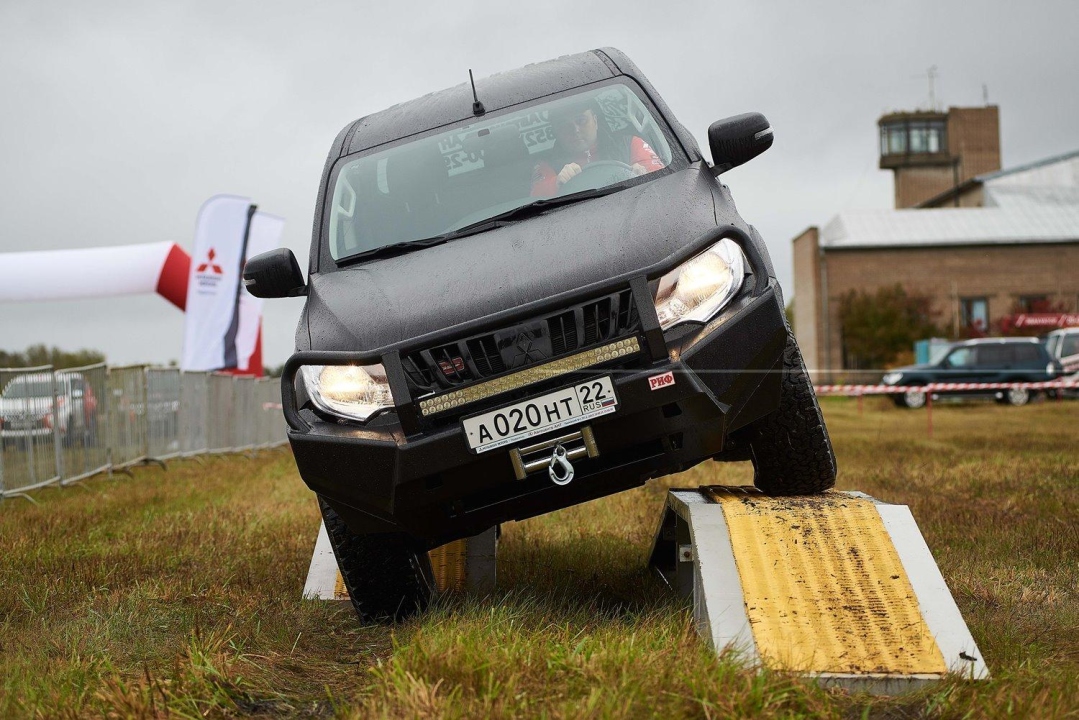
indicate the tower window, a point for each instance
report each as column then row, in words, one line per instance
column 912, row 136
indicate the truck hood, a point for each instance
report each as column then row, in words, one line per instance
column 383, row 302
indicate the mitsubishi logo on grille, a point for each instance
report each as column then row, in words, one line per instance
column 524, row 349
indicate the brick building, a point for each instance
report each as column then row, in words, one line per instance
column 980, row 242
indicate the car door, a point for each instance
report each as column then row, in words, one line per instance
column 996, row 363
column 1068, row 351
column 960, row 366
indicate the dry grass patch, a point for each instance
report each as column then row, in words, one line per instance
column 177, row 594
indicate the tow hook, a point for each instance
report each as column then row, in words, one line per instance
column 560, row 468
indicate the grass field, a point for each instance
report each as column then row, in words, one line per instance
column 177, row 593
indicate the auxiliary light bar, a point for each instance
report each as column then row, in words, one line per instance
column 481, row 391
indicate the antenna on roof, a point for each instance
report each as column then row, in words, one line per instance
column 932, row 73
column 477, row 106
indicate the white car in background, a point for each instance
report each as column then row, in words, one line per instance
column 1063, row 345
column 29, row 409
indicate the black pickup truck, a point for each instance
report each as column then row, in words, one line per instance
column 524, row 294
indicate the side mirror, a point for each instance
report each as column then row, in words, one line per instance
column 737, row 140
column 274, row 274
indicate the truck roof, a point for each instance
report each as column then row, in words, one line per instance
column 496, row 92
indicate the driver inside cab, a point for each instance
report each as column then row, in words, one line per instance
column 581, row 139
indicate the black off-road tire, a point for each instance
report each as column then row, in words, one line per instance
column 790, row 448
column 387, row 575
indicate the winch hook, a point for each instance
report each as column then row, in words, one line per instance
column 560, row 468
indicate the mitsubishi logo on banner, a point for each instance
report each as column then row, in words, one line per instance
column 222, row 324
column 210, row 264
column 208, row 274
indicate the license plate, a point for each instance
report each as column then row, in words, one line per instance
column 530, row 418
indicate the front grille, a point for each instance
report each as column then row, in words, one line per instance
column 475, row 358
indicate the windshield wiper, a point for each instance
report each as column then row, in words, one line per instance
column 394, row 249
column 536, row 207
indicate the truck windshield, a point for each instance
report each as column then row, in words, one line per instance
column 454, row 179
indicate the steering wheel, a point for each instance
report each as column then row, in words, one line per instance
column 596, row 175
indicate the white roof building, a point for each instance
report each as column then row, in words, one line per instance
column 1035, row 203
column 996, row 245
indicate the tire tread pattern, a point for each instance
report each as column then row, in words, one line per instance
column 387, row 575
column 790, row 448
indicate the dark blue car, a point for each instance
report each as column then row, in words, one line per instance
column 989, row 360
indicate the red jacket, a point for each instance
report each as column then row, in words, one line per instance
column 545, row 177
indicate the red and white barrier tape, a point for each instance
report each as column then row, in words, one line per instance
column 936, row 387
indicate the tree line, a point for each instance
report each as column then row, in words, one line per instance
column 38, row 355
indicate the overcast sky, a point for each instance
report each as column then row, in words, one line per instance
column 117, row 120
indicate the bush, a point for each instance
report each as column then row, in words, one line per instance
column 880, row 328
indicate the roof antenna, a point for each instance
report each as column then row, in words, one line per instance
column 477, row 106
column 932, row 73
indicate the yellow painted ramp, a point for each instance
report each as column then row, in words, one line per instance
column 824, row 588
column 840, row 586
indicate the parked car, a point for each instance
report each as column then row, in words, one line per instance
column 484, row 340
column 987, row 360
column 29, row 409
column 1063, row 345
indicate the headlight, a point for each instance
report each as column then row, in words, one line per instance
column 699, row 287
column 891, row 378
column 350, row 391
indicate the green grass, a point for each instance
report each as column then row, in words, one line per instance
column 177, row 594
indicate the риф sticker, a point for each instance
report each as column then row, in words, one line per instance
column 661, row 381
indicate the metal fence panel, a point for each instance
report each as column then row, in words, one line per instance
column 69, row 424
column 127, row 415
column 194, row 412
column 271, row 425
column 83, row 438
column 220, row 420
column 163, row 412
column 245, row 417
column 29, row 455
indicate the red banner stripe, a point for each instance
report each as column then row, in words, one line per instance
column 172, row 282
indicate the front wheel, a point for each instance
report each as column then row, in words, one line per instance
column 387, row 575
column 1017, row 397
column 911, row 399
column 791, row 451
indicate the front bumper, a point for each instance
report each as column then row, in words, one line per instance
column 17, row 432
column 429, row 484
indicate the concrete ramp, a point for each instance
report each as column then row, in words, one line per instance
column 466, row 565
column 838, row 586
